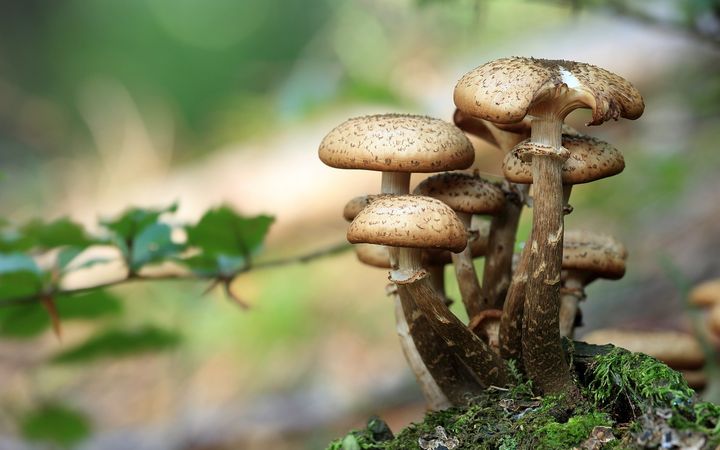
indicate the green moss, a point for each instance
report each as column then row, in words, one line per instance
column 638, row 377
column 632, row 393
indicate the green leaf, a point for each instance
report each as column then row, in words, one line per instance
column 134, row 220
column 59, row 233
column 19, row 276
column 57, row 424
column 68, row 254
column 11, row 240
column 119, row 343
column 153, row 244
column 226, row 240
column 88, row 305
column 23, row 321
column 30, row 320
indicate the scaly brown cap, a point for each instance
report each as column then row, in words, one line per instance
column 409, row 221
column 706, row 294
column 463, row 192
column 677, row 350
column 397, row 143
column 507, row 89
column 597, row 255
column 589, row 159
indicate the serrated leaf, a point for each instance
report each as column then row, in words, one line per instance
column 11, row 240
column 153, row 244
column 134, row 220
column 60, row 233
column 226, row 241
column 67, row 255
column 119, row 343
column 57, row 424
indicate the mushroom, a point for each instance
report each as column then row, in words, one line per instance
column 680, row 351
column 506, row 91
column 414, row 223
column 466, row 195
column 586, row 257
column 706, row 294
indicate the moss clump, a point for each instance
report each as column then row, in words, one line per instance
column 642, row 399
column 498, row 419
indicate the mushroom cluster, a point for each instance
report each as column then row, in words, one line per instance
column 521, row 306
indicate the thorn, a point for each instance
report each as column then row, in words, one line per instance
column 210, row 287
column 237, row 300
column 49, row 304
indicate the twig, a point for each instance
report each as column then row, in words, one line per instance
column 270, row 264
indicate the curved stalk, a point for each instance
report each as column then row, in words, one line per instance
column 570, row 295
column 468, row 284
column 542, row 352
column 512, row 317
column 434, row 396
column 497, row 272
column 481, row 364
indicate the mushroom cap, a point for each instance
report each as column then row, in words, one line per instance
column 356, row 204
column 706, row 294
column 397, row 143
column 463, row 192
column 590, row 159
column 676, row 349
column 409, row 221
column 373, row 255
column 597, row 255
column 696, row 379
column 507, row 89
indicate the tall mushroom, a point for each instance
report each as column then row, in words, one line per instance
column 413, row 223
column 505, row 91
column 467, row 195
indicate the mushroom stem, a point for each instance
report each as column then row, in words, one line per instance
column 512, row 316
column 542, row 351
column 497, row 271
column 436, row 272
column 571, row 293
column 434, row 396
column 481, row 364
column 395, row 183
column 567, row 190
column 467, row 278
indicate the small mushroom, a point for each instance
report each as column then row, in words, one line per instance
column 706, row 294
column 586, row 257
column 680, row 351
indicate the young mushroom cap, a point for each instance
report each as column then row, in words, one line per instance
column 596, row 254
column 373, row 255
column 507, row 89
column 356, row 204
column 706, row 294
column 677, row 350
column 589, row 159
column 397, row 143
column 463, row 192
column 411, row 221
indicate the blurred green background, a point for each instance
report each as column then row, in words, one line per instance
column 106, row 104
